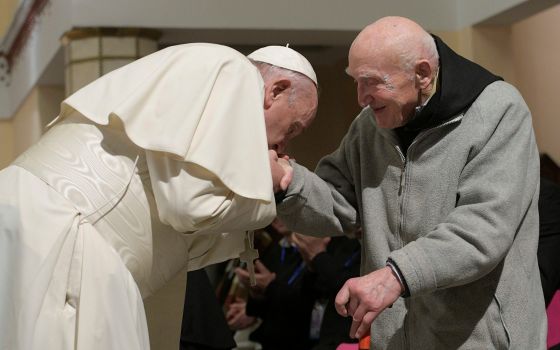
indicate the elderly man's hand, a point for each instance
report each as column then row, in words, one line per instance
column 281, row 171
column 364, row 298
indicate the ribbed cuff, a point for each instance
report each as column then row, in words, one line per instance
column 394, row 267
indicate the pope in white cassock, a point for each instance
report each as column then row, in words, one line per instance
column 138, row 178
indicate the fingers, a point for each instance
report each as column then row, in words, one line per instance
column 242, row 275
column 341, row 300
column 352, row 306
column 259, row 267
column 295, row 238
column 361, row 321
column 286, row 179
column 362, row 327
column 234, row 320
column 272, row 155
column 231, row 312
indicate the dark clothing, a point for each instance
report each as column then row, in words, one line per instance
column 460, row 82
column 204, row 325
column 287, row 304
column 340, row 262
column 549, row 238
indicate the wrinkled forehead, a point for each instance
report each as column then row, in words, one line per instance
column 365, row 61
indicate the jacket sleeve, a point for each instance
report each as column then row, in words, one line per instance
column 317, row 207
column 191, row 198
column 496, row 190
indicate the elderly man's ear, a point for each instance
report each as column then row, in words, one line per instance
column 274, row 90
column 424, row 73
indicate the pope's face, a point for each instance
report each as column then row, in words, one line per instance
column 385, row 86
column 289, row 116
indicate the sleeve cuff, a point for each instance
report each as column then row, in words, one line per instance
column 395, row 268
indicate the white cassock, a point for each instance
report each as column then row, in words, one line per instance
column 139, row 176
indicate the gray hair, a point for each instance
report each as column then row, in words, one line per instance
column 269, row 71
column 426, row 49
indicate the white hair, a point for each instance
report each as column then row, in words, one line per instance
column 425, row 49
column 298, row 80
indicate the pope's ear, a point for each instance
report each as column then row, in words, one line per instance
column 275, row 90
column 280, row 86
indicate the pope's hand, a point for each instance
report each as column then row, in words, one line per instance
column 364, row 298
column 281, row 171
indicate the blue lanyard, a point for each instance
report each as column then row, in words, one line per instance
column 350, row 260
column 296, row 273
column 283, row 254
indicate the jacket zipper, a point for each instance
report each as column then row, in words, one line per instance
column 404, row 160
column 400, row 193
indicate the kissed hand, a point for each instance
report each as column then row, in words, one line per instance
column 281, row 171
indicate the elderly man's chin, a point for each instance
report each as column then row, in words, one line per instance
column 386, row 121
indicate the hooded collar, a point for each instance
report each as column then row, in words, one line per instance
column 460, row 81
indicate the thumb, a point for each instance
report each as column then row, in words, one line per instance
column 286, row 179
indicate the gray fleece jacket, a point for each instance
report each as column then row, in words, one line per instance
column 457, row 214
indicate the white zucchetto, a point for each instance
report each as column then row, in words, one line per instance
column 284, row 57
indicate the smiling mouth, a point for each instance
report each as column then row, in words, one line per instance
column 378, row 109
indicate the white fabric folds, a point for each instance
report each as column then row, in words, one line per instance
column 182, row 99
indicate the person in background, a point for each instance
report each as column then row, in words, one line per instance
column 333, row 262
column 204, row 326
column 549, row 239
column 547, row 253
column 283, row 297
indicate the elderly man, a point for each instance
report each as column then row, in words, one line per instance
column 142, row 172
column 440, row 169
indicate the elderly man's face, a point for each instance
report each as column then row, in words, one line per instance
column 384, row 85
column 290, row 116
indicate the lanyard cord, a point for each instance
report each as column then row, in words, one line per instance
column 351, row 259
column 296, row 273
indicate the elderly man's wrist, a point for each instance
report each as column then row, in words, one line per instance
column 398, row 274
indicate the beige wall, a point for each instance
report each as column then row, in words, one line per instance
column 536, row 52
column 7, row 10
column 28, row 123
column 338, row 106
column 489, row 46
column 6, row 143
